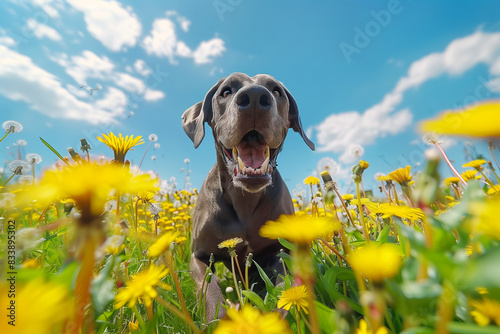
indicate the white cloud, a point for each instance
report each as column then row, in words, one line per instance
column 111, row 24
column 141, row 68
column 163, row 42
column 8, row 41
column 207, row 50
column 338, row 131
column 88, row 65
column 22, row 80
column 91, row 66
column 153, row 95
column 129, row 83
column 48, row 6
column 42, row 30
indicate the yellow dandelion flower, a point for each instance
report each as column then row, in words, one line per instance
column 89, row 185
column 163, row 243
column 485, row 311
column 471, row 249
column 476, row 164
column 251, row 321
column 451, row 180
column 133, row 326
column 295, row 296
column 363, row 329
column 301, row 229
column 40, row 307
column 31, row 264
column 468, row 122
column 347, row 197
column 230, row 244
column 402, row 211
column 311, row 180
column 494, row 190
column 401, row 175
column 486, row 215
column 142, row 287
column 376, row 262
column 120, row 145
column 470, row 174
column 384, row 178
column 363, row 164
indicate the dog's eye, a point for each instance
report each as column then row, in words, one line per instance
column 276, row 92
column 226, row 92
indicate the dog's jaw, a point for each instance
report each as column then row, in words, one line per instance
column 250, row 163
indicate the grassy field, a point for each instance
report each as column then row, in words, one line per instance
column 98, row 247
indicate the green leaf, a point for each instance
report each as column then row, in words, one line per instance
column 287, row 244
column 329, row 281
column 255, row 299
column 419, row 330
column 327, row 318
column 384, row 235
column 54, row 150
column 467, row 328
column 269, row 285
column 102, row 288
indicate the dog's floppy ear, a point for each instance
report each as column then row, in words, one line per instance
column 193, row 119
column 293, row 117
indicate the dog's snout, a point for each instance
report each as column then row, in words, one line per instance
column 254, row 97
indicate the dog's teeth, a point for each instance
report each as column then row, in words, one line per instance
column 267, row 151
column 235, row 153
column 241, row 165
column 263, row 168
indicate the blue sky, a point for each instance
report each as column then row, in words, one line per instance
column 363, row 73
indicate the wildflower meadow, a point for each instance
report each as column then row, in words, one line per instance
column 97, row 245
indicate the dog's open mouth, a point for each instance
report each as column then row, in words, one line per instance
column 251, row 157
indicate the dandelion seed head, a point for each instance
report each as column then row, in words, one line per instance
column 153, row 157
column 328, row 164
column 33, row 158
column 12, row 126
column 157, row 146
column 25, row 179
column 153, row 137
column 357, row 150
column 21, row 142
column 187, row 161
column 19, row 167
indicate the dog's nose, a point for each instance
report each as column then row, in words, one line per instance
column 253, row 97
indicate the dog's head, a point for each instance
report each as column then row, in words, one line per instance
column 250, row 117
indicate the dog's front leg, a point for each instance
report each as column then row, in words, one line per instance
column 213, row 293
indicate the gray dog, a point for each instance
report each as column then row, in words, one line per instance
column 250, row 118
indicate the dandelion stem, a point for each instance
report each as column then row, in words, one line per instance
column 236, row 287
column 8, row 180
column 492, row 154
column 239, row 271
column 361, row 215
column 343, row 204
column 147, row 148
column 177, row 285
column 297, row 315
column 82, row 285
column 449, row 162
column 5, row 135
column 136, row 222
column 486, row 178
column 334, row 250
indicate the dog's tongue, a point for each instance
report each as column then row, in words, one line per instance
column 252, row 153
